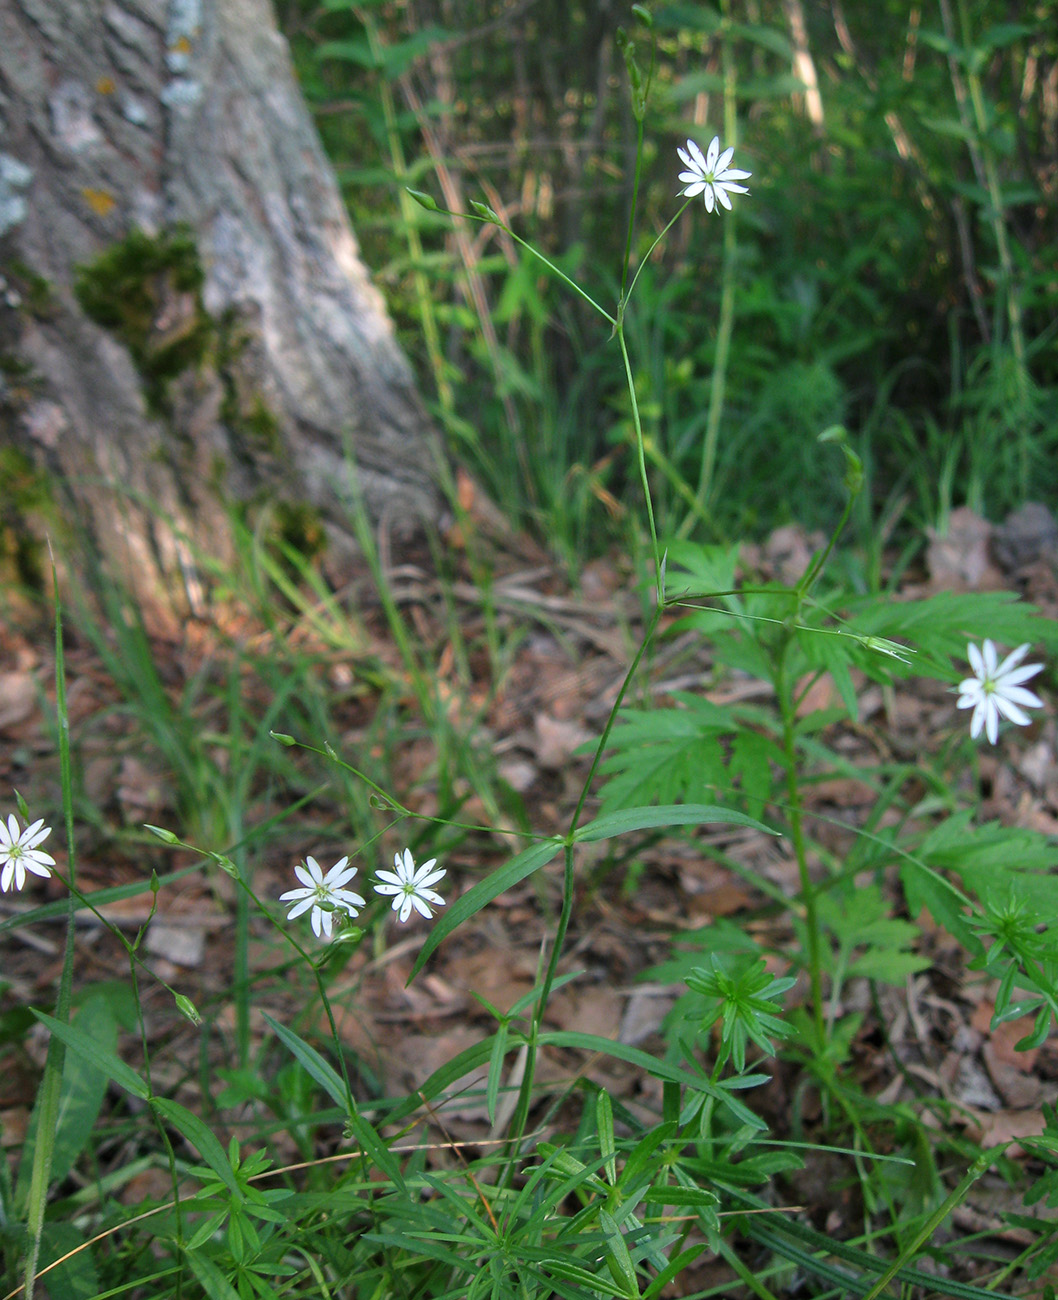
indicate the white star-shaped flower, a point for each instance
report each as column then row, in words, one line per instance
column 411, row 887
column 325, row 894
column 710, row 175
column 995, row 688
column 19, row 852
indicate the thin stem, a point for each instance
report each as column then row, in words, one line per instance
column 646, row 256
column 952, row 1202
column 808, row 888
column 566, row 280
column 635, row 201
column 718, row 386
column 604, row 739
column 637, row 424
column 995, row 213
column 51, row 1085
column 520, row 1120
column 805, row 585
column 430, row 331
column 725, row 325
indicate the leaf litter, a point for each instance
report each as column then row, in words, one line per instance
column 537, row 718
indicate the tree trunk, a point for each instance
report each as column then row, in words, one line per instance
column 185, row 322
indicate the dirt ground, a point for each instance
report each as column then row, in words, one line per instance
column 930, row 1037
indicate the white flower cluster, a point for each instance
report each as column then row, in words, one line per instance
column 410, row 887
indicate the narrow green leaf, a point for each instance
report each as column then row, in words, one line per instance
column 656, row 1068
column 210, row 1278
column 643, row 818
column 83, row 1087
column 587, row 1278
column 637, row 1162
column 1038, row 1035
column 622, row 1270
column 202, row 1138
column 332, row 1083
column 443, row 1078
column 480, row 895
column 492, row 1088
column 676, row 1266
column 372, row 1145
column 325, row 1075
column 111, row 1064
column 604, row 1125
column 680, row 1196
column 1014, row 1011
column 670, row 1102
column 358, row 52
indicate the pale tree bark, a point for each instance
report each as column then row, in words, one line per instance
column 185, row 321
column 804, row 65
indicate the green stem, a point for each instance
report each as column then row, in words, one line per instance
column 808, row 888
column 995, row 213
column 647, row 255
column 725, row 325
column 637, row 425
column 520, row 1119
column 635, row 201
column 566, row 280
column 950, row 1203
column 430, row 331
column 51, row 1084
column 817, row 566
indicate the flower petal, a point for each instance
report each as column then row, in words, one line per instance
column 1019, row 675
column 424, row 882
column 713, row 154
column 697, row 158
column 1010, row 710
column 1012, row 660
column 1019, row 695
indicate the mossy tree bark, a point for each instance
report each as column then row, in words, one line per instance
column 185, row 321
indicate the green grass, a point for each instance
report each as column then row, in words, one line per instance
column 239, row 1132
column 862, row 272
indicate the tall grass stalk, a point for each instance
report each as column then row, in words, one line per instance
column 51, row 1084
column 726, row 323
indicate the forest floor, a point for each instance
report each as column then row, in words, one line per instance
column 631, row 915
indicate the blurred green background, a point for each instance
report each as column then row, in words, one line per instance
column 894, row 269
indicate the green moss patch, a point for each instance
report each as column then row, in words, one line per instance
column 147, row 290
